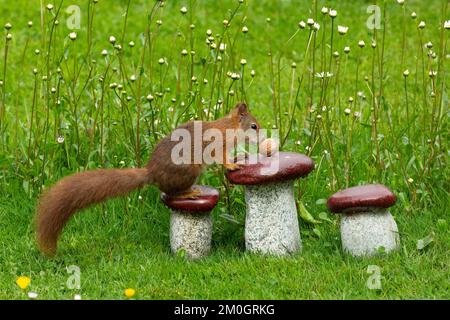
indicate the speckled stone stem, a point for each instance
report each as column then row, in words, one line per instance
column 271, row 224
column 363, row 233
column 191, row 232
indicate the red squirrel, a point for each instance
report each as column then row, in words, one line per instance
column 78, row 191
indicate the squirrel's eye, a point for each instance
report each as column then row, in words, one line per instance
column 254, row 126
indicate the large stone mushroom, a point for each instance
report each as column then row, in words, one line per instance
column 366, row 223
column 271, row 224
column 191, row 222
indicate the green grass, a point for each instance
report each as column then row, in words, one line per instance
column 124, row 243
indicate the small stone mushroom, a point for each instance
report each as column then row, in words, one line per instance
column 271, row 224
column 366, row 223
column 191, row 222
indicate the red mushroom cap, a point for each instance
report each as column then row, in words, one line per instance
column 357, row 199
column 290, row 166
column 203, row 203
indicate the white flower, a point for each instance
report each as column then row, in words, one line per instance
column 401, row 2
column 150, row 98
column 112, row 39
column 32, row 295
column 342, row 30
column 410, row 180
column 361, row 44
column 131, row 44
column 235, row 76
column 60, row 139
column 347, row 111
column 244, row 29
column 333, row 13
column 161, row 60
column 316, row 26
column 310, row 22
column 413, row 15
column 324, row 10
column 429, row 45
column 8, row 26
column 253, row 73
column 184, row 52
column 346, row 49
column 447, row 24
column 49, row 7
column 133, row 78
column 104, row 52
column 421, row 25
column 243, row 62
column 78, row 296
column 222, row 47
column 73, row 36
column 9, row 36
column 432, row 73
column 183, row 10
column 208, row 32
column 293, row 65
column 302, row 24
column 30, row 24
column 406, row 73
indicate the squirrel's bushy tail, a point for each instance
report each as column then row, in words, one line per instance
column 79, row 191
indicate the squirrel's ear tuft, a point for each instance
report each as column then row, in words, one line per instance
column 241, row 109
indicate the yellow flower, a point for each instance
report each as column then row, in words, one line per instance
column 23, row 282
column 129, row 293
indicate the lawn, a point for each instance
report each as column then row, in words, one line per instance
column 102, row 94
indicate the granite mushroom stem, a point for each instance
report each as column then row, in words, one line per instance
column 367, row 226
column 271, row 224
column 191, row 222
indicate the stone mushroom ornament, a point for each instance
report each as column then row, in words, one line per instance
column 271, row 224
column 366, row 224
column 191, row 222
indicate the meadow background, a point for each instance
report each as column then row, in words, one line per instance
column 101, row 96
